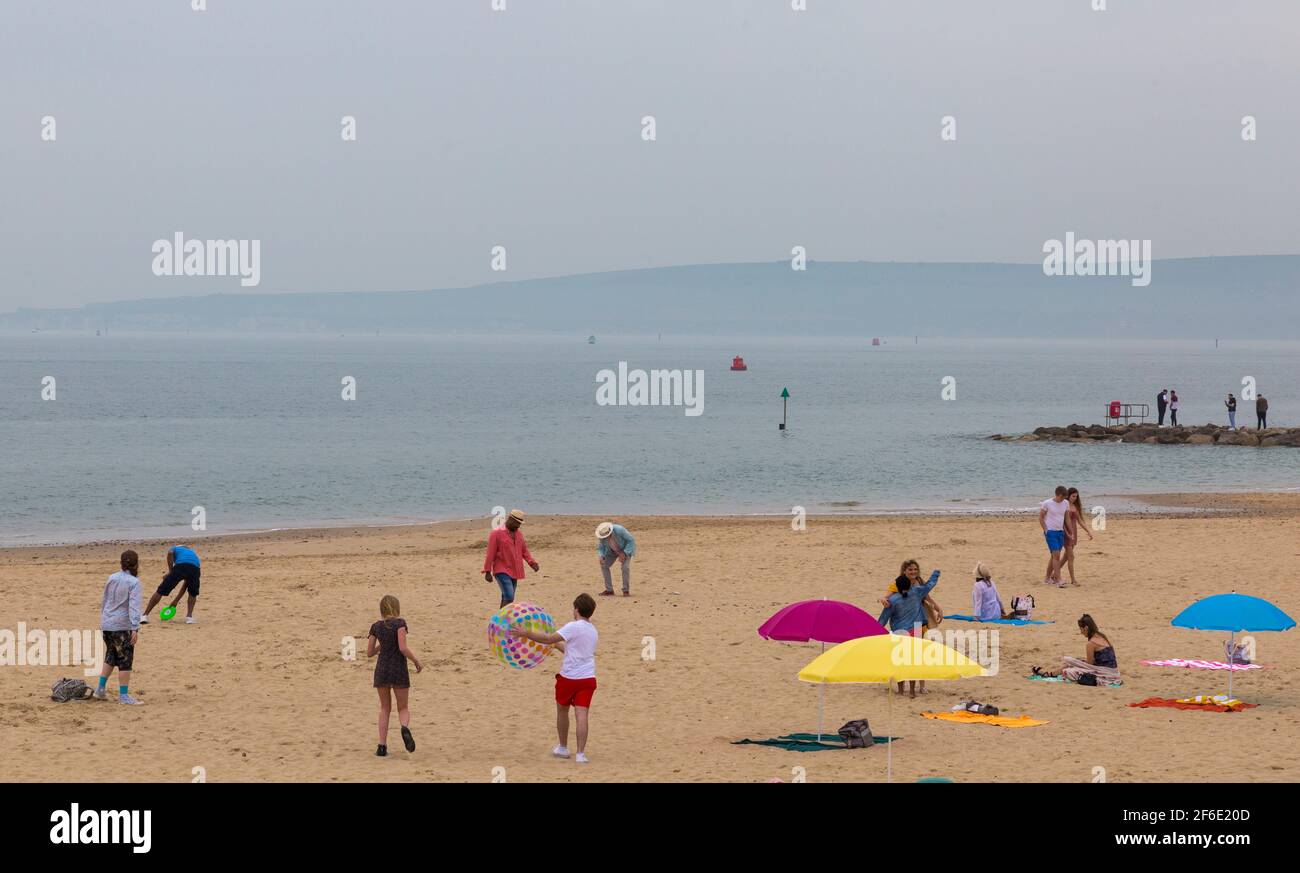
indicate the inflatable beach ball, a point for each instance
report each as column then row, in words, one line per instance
column 519, row 652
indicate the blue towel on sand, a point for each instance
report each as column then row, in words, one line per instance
column 1068, row 682
column 806, row 742
column 1015, row 621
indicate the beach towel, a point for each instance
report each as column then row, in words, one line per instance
column 1207, row 707
column 806, row 742
column 1214, row 700
column 1115, row 684
column 975, row 718
column 1074, row 668
column 1012, row 621
column 1198, row 664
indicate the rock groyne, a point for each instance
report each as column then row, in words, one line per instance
column 1151, row 434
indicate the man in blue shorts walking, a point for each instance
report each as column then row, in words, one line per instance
column 1051, row 517
column 182, row 567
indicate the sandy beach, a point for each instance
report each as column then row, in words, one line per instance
column 258, row 690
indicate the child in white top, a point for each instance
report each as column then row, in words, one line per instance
column 576, row 682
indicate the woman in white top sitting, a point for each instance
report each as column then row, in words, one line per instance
column 985, row 600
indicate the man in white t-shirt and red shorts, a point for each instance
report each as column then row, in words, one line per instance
column 1051, row 517
column 576, row 682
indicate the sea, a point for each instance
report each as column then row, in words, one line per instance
column 136, row 435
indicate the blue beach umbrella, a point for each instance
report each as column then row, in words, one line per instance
column 1234, row 613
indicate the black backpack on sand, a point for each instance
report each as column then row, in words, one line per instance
column 70, row 689
column 857, row 734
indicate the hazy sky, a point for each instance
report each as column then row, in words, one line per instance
column 522, row 128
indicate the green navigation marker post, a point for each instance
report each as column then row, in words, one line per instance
column 785, row 407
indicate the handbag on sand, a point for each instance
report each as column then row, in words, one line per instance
column 857, row 734
column 70, row 689
column 1022, row 606
column 933, row 612
column 1236, row 654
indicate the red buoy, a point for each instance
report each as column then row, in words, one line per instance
column 738, row 363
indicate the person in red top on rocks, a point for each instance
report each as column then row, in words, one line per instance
column 506, row 555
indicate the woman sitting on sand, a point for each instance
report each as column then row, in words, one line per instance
column 1098, row 658
column 985, row 600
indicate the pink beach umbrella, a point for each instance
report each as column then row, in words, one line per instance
column 823, row 621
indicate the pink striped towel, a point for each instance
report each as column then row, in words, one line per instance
column 1203, row 665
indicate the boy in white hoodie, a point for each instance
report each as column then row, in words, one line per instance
column 120, row 624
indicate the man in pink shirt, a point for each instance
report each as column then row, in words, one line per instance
column 506, row 555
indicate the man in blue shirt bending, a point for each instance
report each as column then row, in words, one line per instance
column 182, row 567
column 614, row 543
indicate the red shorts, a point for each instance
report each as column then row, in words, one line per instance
column 574, row 692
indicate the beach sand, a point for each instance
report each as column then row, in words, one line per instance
column 259, row 690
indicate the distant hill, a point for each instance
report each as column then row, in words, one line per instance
column 1255, row 296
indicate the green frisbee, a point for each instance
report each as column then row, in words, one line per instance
column 167, row 612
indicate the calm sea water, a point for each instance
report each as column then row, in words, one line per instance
column 254, row 429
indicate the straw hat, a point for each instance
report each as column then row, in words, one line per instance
column 517, row 515
column 603, row 530
column 982, row 572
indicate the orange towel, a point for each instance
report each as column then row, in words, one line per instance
column 1208, row 707
column 975, row 718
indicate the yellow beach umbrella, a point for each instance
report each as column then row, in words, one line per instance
column 886, row 659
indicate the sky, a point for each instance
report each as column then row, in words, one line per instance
column 522, row 128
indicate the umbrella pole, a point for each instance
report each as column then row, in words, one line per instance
column 1231, row 640
column 821, row 699
column 889, row 741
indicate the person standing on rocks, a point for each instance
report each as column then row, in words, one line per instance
column 1231, row 403
column 1261, row 412
column 1173, row 408
column 1162, row 402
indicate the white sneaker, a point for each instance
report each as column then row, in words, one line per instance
column 144, row 619
column 560, row 751
column 130, row 701
column 582, row 758
column 100, row 694
column 189, row 619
